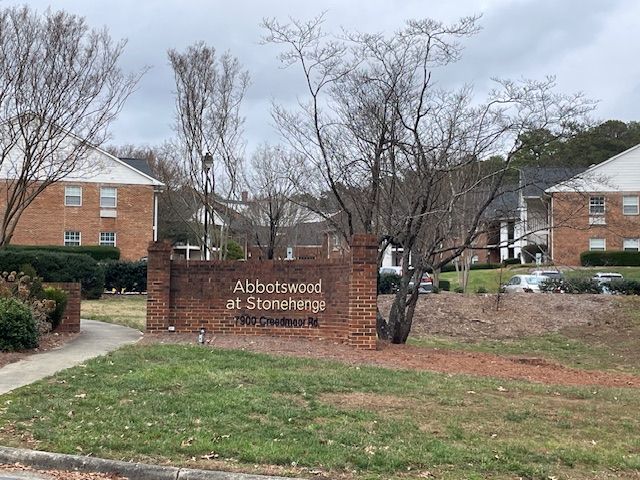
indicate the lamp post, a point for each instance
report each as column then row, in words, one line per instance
column 207, row 164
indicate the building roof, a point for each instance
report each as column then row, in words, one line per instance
column 503, row 206
column 139, row 164
column 535, row 180
column 620, row 173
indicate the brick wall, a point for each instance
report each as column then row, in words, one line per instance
column 47, row 218
column 71, row 319
column 195, row 294
column 571, row 232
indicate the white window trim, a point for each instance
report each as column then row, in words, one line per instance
column 604, row 245
column 64, row 238
column 65, row 195
column 115, row 240
column 115, row 198
column 636, row 205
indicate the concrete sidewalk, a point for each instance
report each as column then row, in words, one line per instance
column 95, row 339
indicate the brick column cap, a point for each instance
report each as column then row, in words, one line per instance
column 163, row 246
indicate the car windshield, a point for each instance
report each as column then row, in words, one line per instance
column 533, row 280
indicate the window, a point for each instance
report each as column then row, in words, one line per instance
column 73, row 196
column 108, row 197
column 108, row 239
column 630, row 205
column 596, row 206
column 597, row 244
column 631, row 244
column 71, row 239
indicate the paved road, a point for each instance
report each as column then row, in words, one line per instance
column 95, row 339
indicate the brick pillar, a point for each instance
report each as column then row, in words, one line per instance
column 362, row 292
column 71, row 318
column 158, row 286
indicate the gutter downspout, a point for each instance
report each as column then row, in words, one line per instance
column 155, row 214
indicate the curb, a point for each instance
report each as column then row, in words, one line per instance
column 134, row 471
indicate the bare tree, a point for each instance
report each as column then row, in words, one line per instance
column 60, row 88
column 209, row 92
column 271, row 211
column 402, row 156
column 179, row 204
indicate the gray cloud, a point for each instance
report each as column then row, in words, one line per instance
column 588, row 44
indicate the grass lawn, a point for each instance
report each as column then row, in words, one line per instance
column 180, row 404
column 127, row 310
column 489, row 279
column 555, row 346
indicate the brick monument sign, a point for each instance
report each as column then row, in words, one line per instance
column 332, row 299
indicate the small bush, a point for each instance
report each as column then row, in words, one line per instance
column 511, row 261
column 58, row 267
column 17, row 329
column 581, row 285
column 234, row 251
column 435, row 289
column 481, row 289
column 625, row 287
column 388, row 283
column 125, row 276
column 602, row 259
column 98, row 252
column 60, row 297
column 458, row 290
column 552, row 285
column 450, row 267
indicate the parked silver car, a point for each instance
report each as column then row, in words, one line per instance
column 524, row 283
column 607, row 277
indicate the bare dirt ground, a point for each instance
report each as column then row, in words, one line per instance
column 48, row 342
column 506, row 316
column 469, row 317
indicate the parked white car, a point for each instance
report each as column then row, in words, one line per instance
column 607, row 277
column 524, row 283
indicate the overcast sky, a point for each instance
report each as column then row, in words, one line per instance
column 589, row 45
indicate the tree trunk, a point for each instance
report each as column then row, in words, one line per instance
column 398, row 327
column 382, row 326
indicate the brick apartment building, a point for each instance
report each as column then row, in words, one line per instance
column 113, row 203
column 597, row 210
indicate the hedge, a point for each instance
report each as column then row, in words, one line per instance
column 125, row 276
column 388, row 283
column 58, row 267
column 601, row 259
column 450, row 267
column 625, row 287
column 98, row 252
